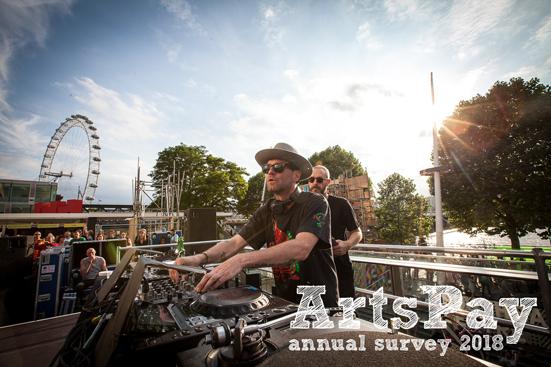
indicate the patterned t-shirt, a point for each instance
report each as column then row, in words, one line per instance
column 310, row 213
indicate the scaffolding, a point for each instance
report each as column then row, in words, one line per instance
column 357, row 191
column 168, row 192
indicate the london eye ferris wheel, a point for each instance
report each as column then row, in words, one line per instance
column 72, row 159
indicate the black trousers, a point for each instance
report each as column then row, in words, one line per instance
column 82, row 285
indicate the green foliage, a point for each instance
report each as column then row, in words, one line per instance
column 400, row 211
column 251, row 201
column 209, row 182
column 500, row 147
column 337, row 161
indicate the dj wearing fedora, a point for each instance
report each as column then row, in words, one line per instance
column 294, row 225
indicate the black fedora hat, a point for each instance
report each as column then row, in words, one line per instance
column 287, row 153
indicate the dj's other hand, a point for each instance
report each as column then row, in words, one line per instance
column 188, row 261
column 223, row 272
column 341, row 248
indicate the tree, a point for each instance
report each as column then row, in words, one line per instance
column 337, row 161
column 399, row 211
column 499, row 145
column 251, row 201
column 208, row 181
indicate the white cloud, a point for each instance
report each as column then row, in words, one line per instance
column 173, row 53
column 469, row 20
column 20, row 134
column 291, row 74
column 543, row 34
column 271, row 23
column 532, row 71
column 182, row 10
column 202, row 88
column 363, row 36
column 20, row 165
column 167, row 96
column 120, row 121
column 22, row 23
column 173, row 50
column 403, row 9
column 289, row 100
column 376, row 122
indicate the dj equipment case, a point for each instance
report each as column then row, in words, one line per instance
column 49, row 281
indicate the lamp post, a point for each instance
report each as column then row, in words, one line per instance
column 436, row 170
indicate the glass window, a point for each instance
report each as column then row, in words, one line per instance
column 2, row 208
column 53, row 193
column 4, row 191
column 20, row 193
column 21, row 208
column 42, row 194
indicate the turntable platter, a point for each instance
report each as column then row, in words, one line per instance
column 230, row 301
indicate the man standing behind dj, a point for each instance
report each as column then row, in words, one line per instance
column 295, row 225
column 342, row 218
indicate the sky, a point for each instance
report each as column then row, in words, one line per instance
column 240, row 76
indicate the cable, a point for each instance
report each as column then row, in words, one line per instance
column 78, row 336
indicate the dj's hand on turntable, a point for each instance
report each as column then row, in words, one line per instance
column 223, row 272
column 189, row 261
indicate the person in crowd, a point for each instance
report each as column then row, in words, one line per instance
column 343, row 219
column 90, row 235
column 174, row 236
column 294, row 225
column 77, row 237
column 67, row 238
column 141, row 238
column 123, row 235
column 90, row 267
column 50, row 240
column 39, row 245
column 111, row 235
column 100, row 237
column 60, row 240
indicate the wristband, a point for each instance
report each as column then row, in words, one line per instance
column 207, row 256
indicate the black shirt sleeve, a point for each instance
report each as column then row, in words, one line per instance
column 254, row 231
column 316, row 218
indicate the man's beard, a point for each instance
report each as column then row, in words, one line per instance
column 319, row 189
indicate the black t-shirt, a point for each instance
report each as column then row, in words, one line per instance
column 342, row 219
column 308, row 214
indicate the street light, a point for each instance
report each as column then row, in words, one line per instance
column 436, row 170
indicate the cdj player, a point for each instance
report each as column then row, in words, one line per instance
column 140, row 316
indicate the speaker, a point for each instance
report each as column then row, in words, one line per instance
column 199, row 225
column 16, row 259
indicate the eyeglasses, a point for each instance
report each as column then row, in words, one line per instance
column 317, row 179
column 278, row 167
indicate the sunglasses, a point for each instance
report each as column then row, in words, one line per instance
column 317, row 179
column 278, row 167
